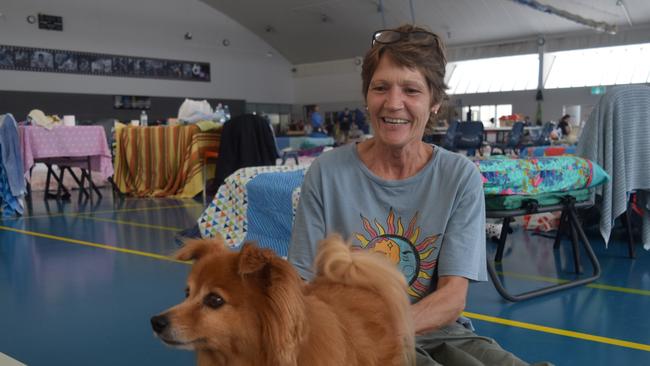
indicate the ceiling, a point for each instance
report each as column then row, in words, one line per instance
column 306, row 31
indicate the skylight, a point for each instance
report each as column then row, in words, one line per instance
column 493, row 74
column 599, row 66
column 628, row 64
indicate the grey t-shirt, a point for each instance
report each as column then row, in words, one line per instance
column 430, row 225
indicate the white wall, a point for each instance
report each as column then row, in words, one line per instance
column 147, row 28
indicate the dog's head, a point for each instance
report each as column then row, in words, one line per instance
column 237, row 303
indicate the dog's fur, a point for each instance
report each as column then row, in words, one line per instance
column 251, row 308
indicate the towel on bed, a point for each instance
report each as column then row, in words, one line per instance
column 617, row 136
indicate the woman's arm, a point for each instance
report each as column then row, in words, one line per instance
column 441, row 307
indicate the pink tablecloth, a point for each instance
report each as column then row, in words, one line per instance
column 66, row 141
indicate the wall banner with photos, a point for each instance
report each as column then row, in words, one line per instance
column 73, row 62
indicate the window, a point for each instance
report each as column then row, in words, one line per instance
column 493, row 74
column 566, row 69
column 599, row 66
column 483, row 113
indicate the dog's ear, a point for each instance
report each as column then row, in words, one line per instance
column 284, row 311
column 253, row 259
column 197, row 248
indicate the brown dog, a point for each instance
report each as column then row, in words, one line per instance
column 252, row 308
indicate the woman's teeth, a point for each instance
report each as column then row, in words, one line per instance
column 396, row 121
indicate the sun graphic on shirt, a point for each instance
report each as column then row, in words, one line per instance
column 414, row 257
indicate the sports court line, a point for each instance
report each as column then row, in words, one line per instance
column 91, row 244
column 599, row 286
column 103, row 211
column 557, row 331
column 129, row 223
column 488, row 318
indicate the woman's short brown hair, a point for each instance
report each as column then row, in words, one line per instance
column 409, row 53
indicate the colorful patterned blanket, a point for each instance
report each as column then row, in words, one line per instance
column 502, row 176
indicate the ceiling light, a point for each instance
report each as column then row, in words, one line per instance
column 225, row 42
column 188, row 36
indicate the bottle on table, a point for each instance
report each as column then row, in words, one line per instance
column 143, row 118
column 226, row 112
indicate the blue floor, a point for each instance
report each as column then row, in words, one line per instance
column 80, row 280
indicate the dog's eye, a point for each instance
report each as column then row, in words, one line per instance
column 213, row 301
column 187, row 292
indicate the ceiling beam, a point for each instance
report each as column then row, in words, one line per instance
column 601, row 26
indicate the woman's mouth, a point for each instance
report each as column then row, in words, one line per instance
column 395, row 121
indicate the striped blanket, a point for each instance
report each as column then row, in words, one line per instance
column 162, row 160
column 617, row 136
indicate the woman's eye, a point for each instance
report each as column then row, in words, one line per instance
column 412, row 91
column 379, row 88
column 213, row 301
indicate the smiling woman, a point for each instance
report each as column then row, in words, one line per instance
column 369, row 191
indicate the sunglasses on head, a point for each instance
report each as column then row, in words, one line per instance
column 388, row 36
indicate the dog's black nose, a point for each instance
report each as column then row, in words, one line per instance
column 159, row 323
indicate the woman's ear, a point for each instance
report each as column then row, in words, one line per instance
column 435, row 108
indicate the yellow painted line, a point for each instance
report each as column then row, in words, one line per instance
column 599, row 286
column 557, row 331
column 130, row 223
column 107, row 211
column 620, row 289
column 148, row 208
column 94, row 245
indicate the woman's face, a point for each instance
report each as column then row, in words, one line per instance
column 399, row 104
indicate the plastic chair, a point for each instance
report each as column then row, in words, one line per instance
column 449, row 142
column 289, row 153
column 514, row 140
column 544, row 137
column 469, row 137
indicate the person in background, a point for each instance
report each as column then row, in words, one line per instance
column 360, row 120
column 316, row 120
column 420, row 205
column 345, row 120
column 565, row 125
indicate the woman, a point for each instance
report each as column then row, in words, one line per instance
column 564, row 125
column 421, row 205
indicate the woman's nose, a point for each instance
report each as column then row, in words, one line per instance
column 394, row 100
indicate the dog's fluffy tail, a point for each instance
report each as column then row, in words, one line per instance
column 336, row 262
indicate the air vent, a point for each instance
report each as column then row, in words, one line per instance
column 50, row 22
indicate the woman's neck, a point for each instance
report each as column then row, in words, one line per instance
column 394, row 164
